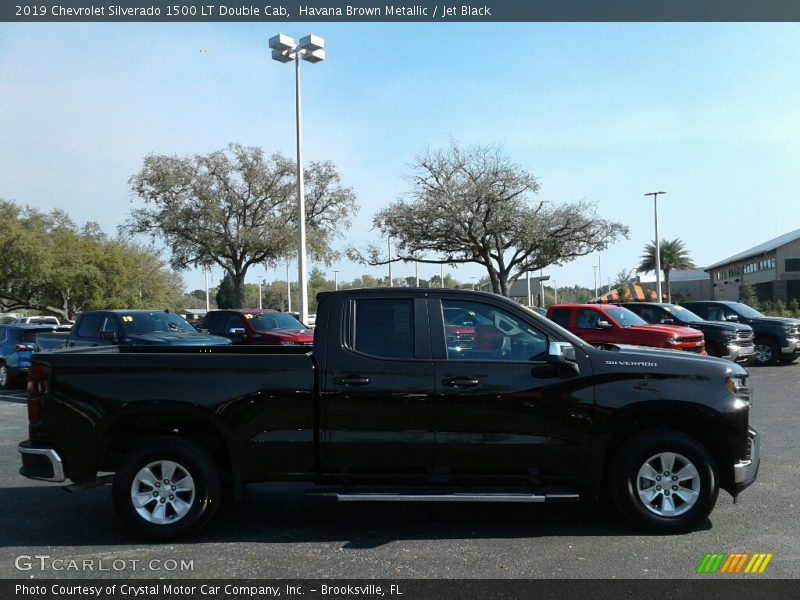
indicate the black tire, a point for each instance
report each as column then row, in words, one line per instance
column 767, row 352
column 203, row 479
column 627, row 482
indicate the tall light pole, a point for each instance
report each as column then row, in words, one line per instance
column 288, row 289
column 416, row 272
column 311, row 49
column 389, row 249
column 595, row 282
column 336, row 280
column 658, row 244
column 208, row 299
column 441, row 275
column 259, row 295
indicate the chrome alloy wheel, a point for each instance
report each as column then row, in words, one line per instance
column 668, row 484
column 763, row 353
column 162, row 492
column 3, row 375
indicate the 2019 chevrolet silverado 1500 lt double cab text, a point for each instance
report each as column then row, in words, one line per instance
column 389, row 406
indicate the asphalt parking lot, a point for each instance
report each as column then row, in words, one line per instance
column 277, row 533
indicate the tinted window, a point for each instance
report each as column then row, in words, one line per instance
column 485, row 332
column 560, row 316
column 384, row 327
column 216, row 323
column 625, row 318
column 269, row 321
column 154, row 322
column 89, row 325
column 587, row 318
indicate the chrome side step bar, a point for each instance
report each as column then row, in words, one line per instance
column 387, row 497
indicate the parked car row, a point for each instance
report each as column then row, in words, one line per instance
column 730, row 330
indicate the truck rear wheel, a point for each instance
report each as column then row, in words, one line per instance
column 167, row 488
column 664, row 480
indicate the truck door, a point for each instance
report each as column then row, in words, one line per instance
column 377, row 413
column 500, row 413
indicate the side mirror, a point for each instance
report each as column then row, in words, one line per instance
column 667, row 321
column 111, row 336
column 562, row 356
column 603, row 324
column 732, row 318
column 237, row 331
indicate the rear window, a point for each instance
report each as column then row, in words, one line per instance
column 89, row 325
column 384, row 327
column 560, row 316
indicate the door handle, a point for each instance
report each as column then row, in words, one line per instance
column 460, row 382
column 351, row 380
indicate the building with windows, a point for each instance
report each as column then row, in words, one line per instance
column 771, row 268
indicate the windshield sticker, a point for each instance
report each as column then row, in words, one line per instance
column 127, row 319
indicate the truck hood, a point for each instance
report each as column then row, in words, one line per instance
column 669, row 330
column 174, row 339
column 777, row 321
column 290, row 335
column 720, row 326
column 624, row 356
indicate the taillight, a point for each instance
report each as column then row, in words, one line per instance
column 36, row 375
column 24, row 348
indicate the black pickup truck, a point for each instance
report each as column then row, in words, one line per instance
column 777, row 339
column 391, row 406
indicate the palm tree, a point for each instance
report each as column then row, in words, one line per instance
column 674, row 255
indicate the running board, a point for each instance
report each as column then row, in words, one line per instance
column 472, row 497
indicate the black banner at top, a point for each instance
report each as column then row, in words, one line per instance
column 430, row 11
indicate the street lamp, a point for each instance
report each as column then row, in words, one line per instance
column 658, row 245
column 311, row 49
column 336, row 280
column 259, row 295
column 595, row 282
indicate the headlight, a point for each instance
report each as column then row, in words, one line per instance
column 790, row 330
column 738, row 387
column 672, row 342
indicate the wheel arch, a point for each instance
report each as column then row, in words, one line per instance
column 695, row 420
column 134, row 427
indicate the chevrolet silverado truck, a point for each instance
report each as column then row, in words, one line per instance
column 733, row 341
column 257, row 326
column 136, row 328
column 610, row 324
column 777, row 339
column 384, row 407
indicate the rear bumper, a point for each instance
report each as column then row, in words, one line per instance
column 745, row 471
column 41, row 462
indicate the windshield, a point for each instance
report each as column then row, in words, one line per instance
column 745, row 311
column 154, row 322
column 684, row 314
column 625, row 317
column 463, row 317
column 269, row 321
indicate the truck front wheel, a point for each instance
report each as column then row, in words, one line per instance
column 767, row 352
column 664, row 480
column 167, row 488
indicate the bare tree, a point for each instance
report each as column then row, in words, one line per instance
column 475, row 206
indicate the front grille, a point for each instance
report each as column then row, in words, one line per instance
column 743, row 338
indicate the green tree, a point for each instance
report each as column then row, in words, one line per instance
column 673, row 255
column 747, row 295
column 226, row 295
column 475, row 206
column 236, row 208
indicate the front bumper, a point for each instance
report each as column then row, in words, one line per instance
column 790, row 347
column 740, row 354
column 41, row 462
column 745, row 471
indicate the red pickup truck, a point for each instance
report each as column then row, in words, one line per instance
column 607, row 324
column 258, row 327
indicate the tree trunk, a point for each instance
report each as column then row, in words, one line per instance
column 495, row 279
column 238, row 289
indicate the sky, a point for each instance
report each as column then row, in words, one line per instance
column 603, row 112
